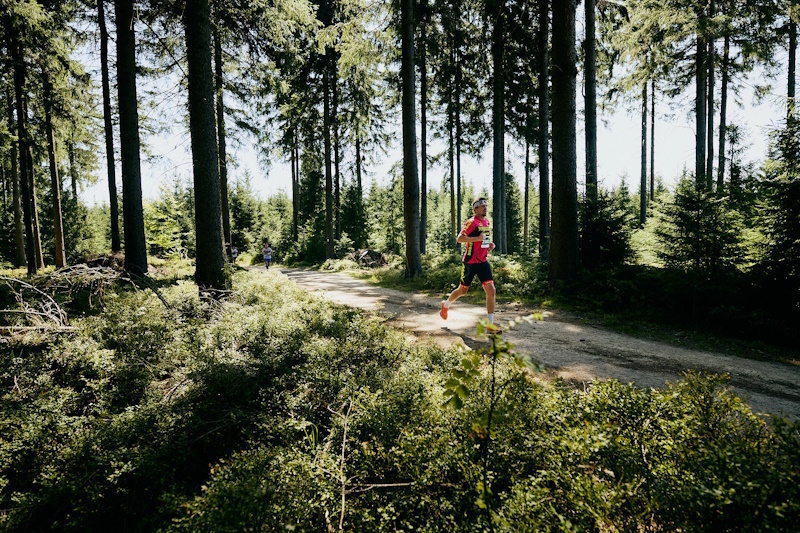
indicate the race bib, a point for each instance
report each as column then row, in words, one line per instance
column 486, row 239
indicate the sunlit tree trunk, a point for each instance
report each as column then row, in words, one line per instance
column 326, row 119
column 564, row 253
column 55, row 183
column 16, row 197
column 132, row 213
column 423, row 104
column 210, row 262
column 410, row 183
column 116, row 244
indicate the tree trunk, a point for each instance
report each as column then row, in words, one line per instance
column 132, row 213
column 792, row 64
column 73, row 169
column 16, row 197
column 451, row 159
column 37, row 239
column 643, row 175
column 423, row 104
column 221, row 144
column 711, row 59
column 55, row 183
column 337, row 201
column 564, row 252
column 590, row 82
column 525, row 247
column 544, row 138
column 498, row 131
column 652, row 139
column 457, row 64
column 326, row 127
column 210, row 262
column 116, row 245
column 295, row 185
column 20, row 73
column 410, row 183
column 723, row 108
column 700, row 113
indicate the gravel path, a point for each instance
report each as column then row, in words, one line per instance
column 574, row 351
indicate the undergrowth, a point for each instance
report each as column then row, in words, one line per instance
column 275, row 410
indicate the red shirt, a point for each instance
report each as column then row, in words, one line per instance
column 477, row 252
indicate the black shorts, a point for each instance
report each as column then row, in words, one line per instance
column 469, row 271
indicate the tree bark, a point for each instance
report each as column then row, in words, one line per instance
column 209, row 272
column 295, row 185
column 55, row 183
column 410, row 183
column 457, row 64
column 498, row 131
column 792, row 64
column 337, row 198
column 423, row 104
column 544, row 138
column 116, row 245
column 221, row 144
column 326, row 119
column 590, row 82
column 643, row 175
column 20, row 73
column 37, row 239
column 16, row 197
column 73, row 169
column 326, row 137
column 451, row 159
column 700, row 113
column 564, row 252
column 132, row 213
column 652, row 139
column 525, row 247
column 723, row 108
column 711, row 59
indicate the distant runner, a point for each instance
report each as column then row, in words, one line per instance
column 267, row 252
column 477, row 236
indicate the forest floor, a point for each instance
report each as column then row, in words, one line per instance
column 569, row 348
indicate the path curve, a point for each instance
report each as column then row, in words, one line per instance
column 574, row 351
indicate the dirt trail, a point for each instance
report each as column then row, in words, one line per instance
column 574, row 351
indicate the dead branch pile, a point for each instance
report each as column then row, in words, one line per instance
column 35, row 310
column 368, row 258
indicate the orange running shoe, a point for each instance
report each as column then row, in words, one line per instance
column 443, row 312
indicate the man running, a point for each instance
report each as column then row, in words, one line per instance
column 477, row 236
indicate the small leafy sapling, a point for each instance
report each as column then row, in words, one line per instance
column 464, row 379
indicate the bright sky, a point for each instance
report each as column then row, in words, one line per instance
column 618, row 147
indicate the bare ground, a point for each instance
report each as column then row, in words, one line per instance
column 576, row 352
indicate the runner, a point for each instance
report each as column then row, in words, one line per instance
column 477, row 236
column 234, row 252
column 267, row 251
